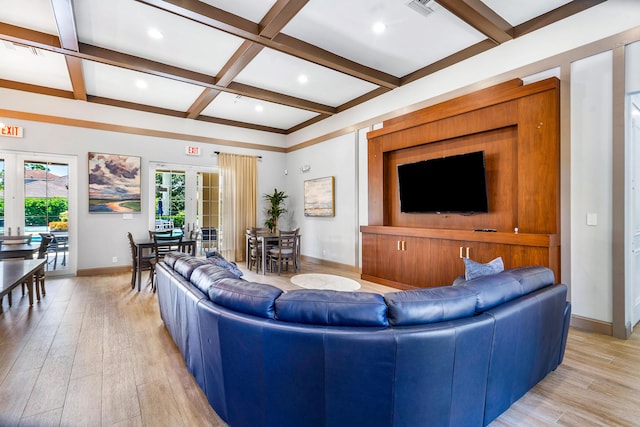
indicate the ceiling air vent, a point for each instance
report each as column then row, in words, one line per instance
column 423, row 7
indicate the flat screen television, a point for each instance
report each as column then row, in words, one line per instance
column 452, row 184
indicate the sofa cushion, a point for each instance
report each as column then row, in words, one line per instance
column 429, row 305
column 532, row 278
column 335, row 308
column 474, row 269
column 206, row 275
column 493, row 290
column 185, row 265
column 171, row 258
column 216, row 258
column 256, row 299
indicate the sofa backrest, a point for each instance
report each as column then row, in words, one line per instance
column 429, row 305
column 335, row 308
column 256, row 299
column 496, row 289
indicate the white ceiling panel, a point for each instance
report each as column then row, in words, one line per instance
column 123, row 25
column 249, row 110
column 410, row 40
column 33, row 14
column 517, row 12
column 121, row 84
column 253, row 10
column 279, row 72
column 24, row 64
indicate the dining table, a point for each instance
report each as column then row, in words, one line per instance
column 14, row 272
column 147, row 245
column 270, row 240
column 21, row 250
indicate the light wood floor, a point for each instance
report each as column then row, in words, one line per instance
column 95, row 353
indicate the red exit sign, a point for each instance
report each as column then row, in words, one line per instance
column 12, row 131
column 192, row 150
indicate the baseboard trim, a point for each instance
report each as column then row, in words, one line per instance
column 333, row 264
column 591, row 325
column 104, row 270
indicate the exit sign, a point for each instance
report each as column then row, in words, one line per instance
column 191, row 150
column 12, row 131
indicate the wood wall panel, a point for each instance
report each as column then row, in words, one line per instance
column 518, row 128
column 500, row 148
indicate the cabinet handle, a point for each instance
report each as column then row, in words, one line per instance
column 461, row 252
column 403, row 245
column 467, row 253
column 398, row 244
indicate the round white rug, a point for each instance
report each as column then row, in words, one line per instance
column 325, row 281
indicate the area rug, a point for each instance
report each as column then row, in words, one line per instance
column 325, row 281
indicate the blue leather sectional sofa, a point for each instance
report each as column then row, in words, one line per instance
column 448, row 356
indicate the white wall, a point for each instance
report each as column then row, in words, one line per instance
column 103, row 236
column 329, row 238
column 591, row 186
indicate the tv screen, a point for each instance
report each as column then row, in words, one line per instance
column 453, row 184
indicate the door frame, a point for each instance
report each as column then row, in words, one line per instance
column 15, row 191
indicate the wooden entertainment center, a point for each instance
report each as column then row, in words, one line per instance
column 518, row 128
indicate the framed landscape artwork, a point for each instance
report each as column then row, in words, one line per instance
column 114, row 183
column 318, row 197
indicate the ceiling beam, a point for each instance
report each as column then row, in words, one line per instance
column 555, row 15
column 488, row 23
column 278, row 98
column 450, row 60
column 76, row 75
column 202, row 102
column 211, row 16
column 63, row 13
column 42, row 90
column 277, row 17
column 68, row 36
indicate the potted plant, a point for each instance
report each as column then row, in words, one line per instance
column 275, row 208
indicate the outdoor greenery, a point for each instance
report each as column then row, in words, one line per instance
column 37, row 212
column 275, row 208
column 175, row 210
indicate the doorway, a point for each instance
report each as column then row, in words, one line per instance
column 185, row 198
column 37, row 198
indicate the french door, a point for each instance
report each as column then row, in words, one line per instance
column 185, row 198
column 37, row 196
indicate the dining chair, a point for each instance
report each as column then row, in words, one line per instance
column 285, row 251
column 162, row 245
column 52, row 248
column 255, row 249
column 160, row 232
column 145, row 261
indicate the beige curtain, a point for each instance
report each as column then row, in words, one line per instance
column 238, row 206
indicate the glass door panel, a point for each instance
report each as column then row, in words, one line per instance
column 46, row 208
column 35, row 199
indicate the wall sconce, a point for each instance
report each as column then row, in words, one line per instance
column 305, row 168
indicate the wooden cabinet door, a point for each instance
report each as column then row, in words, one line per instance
column 447, row 258
column 403, row 259
column 415, row 255
column 370, row 255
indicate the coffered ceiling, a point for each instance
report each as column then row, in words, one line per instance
column 274, row 65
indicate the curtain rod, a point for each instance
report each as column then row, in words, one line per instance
column 217, row 152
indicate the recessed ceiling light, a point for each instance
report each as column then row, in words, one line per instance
column 379, row 27
column 141, row 84
column 303, row 79
column 259, row 108
column 154, row 33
